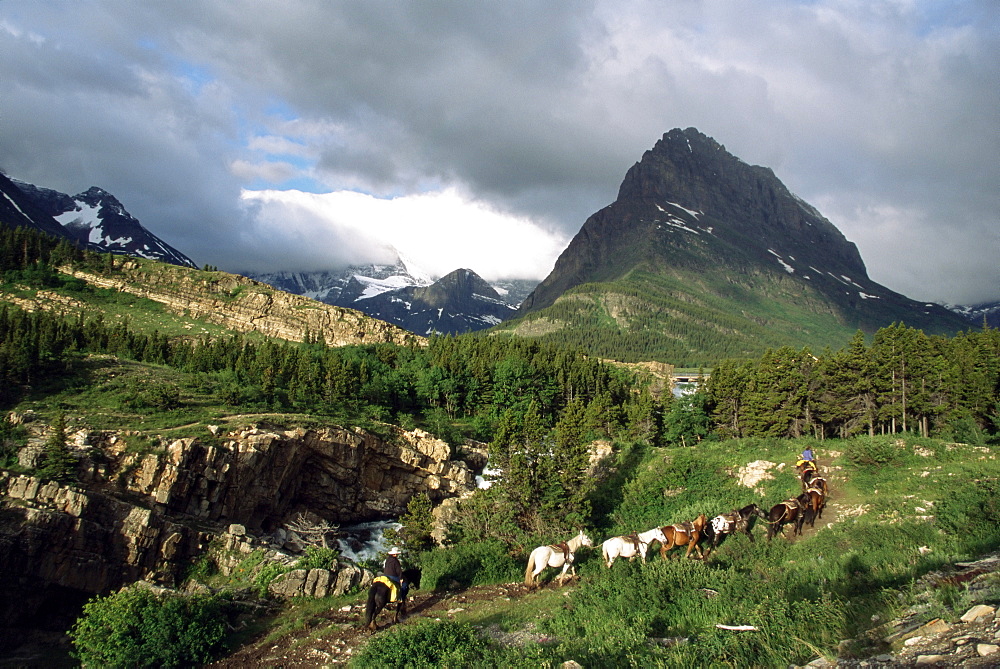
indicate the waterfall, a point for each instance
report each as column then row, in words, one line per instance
column 365, row 541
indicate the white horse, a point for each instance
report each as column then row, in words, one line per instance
column 560, row 555
column 625, row 547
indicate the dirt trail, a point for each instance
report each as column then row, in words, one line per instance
column 335, row 636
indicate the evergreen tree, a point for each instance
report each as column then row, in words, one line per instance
column 57, row 462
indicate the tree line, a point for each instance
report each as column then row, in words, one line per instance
column 903, row 381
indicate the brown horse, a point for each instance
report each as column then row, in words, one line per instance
column 811, row 479
column 789, row 511
column 684, row 534
column 813, row 500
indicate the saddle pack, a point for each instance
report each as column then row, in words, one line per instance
column 393, row 588
column 634, row 538
column 562, row 547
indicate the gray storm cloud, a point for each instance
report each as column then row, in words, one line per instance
column 884, row 115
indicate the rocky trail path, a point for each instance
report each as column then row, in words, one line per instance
column 335, row 636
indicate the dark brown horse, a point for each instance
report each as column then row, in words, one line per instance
column 684, row 534
column 782, row 513
column 379, row 597
column 813, row 500
column 811, row 479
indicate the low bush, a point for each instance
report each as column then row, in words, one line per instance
column 431, row 644
column 469, row 564
column 138, row 628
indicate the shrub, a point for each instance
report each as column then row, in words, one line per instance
column 469, row 564
column 877, row 452
column 138, row 628
column 430, row 644
column 318, row 558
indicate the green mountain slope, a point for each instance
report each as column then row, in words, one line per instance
column 703, row 257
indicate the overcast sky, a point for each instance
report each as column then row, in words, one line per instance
column 303, row 134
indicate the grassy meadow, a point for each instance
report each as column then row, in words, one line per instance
column 899, row 508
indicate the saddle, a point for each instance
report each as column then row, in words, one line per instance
column 634, row 538
column 816, row 490
column 563, row 547
column 792, row 503
column 393, row 588
column 687, row 527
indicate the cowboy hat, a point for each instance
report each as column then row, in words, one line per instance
column 395, row 551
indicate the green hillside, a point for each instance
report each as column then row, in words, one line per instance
column 913, row 479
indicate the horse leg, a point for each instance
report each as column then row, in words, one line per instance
column 371, row 611
column 400, row 611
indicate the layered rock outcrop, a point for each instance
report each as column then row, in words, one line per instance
column 147, row 516
column 245, row 305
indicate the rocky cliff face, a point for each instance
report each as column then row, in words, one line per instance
column 245, row 305
column 146, row 516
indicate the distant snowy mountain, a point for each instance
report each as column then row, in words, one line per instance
column 978, row 313
column 95, row 219
column 404, row 295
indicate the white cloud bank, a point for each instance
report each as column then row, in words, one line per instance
column 437, row 231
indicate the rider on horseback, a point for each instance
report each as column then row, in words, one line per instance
column 394, row 572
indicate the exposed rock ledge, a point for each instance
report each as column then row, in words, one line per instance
column 145, row 516
column 245, row 305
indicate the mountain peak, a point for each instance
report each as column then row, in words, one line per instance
column 695, row 225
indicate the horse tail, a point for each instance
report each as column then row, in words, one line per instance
column 528, row 578
column 604, row 552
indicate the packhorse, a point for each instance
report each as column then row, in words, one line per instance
column 630, row 546
column 558, row 555
column 789, row 511
column 812, row 501
column 811, row 479
column 737, row 520
column 684, row 534
column 379, row 595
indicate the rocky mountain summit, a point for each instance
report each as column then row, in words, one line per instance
column 700, row 245
column 93, row 219
column 403, row 295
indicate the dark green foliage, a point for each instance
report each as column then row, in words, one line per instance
column 430, row 644
column 12, row 438
column 905, row 381
column 316, row 557
column 417, row 523
column 137, row 628
column 57, row 462
column 468, row 564
column 687, row 422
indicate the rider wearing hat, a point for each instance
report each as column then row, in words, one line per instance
column 394, row 571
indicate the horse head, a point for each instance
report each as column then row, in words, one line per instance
column 581, row 539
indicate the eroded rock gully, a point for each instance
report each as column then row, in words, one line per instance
column 145, row 516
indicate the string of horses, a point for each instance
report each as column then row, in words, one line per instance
column 792, row 512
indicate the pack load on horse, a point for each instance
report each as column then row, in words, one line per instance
column 782, row 513
column 688, row 534
column 813, row 500
column 555, row 556
column 384, row 591
column 737, row 520
column 811, row 479
column 631, row 545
